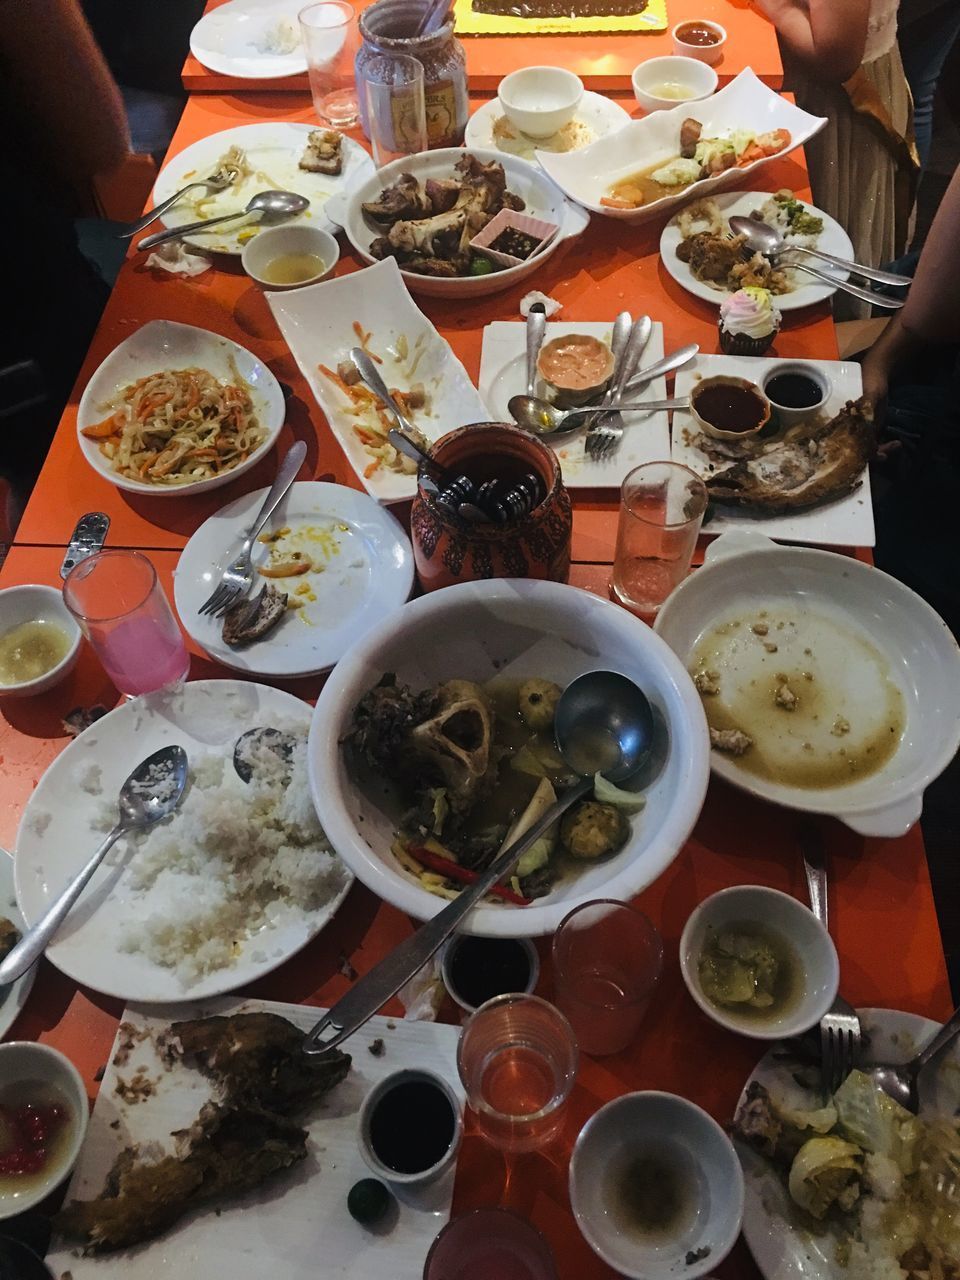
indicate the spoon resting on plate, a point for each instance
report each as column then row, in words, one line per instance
column 275, row 204
column 762, row 238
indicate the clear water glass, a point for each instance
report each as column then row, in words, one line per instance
column 393, row 88
column 607, row 960
column 330, row 40
column 661, row 511
column 489, row 1244
column 121, row 608
column 517, row 1059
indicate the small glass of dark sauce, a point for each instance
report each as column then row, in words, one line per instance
column 410, row 1127
column 475, row 970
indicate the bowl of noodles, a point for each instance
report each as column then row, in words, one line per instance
column 175, row 409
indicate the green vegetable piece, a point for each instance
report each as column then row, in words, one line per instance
column 480, row 266
column 368, row 1201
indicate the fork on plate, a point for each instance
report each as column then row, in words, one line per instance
column 219, row 180
column 607, row 430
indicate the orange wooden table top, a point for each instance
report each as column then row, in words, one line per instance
column 879, row 889
column 610, row 267
column 602, row 61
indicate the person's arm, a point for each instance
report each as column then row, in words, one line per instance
column 827, row 36
column 54, row 66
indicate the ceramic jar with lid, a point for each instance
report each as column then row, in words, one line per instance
column 449, row 549
column 387, row 27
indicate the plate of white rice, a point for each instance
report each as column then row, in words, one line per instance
column 235, row 882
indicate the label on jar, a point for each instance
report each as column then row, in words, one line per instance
column 441, row 99
column 403, row 116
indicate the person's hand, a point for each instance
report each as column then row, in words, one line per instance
column 876, row 384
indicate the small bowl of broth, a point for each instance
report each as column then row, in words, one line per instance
column 290, row 257
column 662, row 83
column 410, row 1128
column 796, row 391
column 758, row 962
column 700, row 39
column 656, row 1187
column 476, row 969
column 729, row 408
column 39, row 640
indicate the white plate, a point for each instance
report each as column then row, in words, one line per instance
column 832, row 239
column 846, row 522
column 164, row 344
column 600, row 115
column 297, row 1226
column 317, row 323
column 274, row 151
column 59, row 831
column 13, row 996
column 503, row 373
column 745, row 103
column 366, row 572
column 226, row 39
column 781, row 1249
column 542, row 199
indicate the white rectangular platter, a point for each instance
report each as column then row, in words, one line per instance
column 503, row 365
column 296, row 1226
column 848, row 522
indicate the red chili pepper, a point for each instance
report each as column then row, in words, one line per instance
column 453, row 871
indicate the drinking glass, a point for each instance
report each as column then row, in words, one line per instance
column 607, row 959
column 121, row 608
column 661, row 510
column 485, row 1243
column 396, row 107
column 517, row 1058
column 331, row 40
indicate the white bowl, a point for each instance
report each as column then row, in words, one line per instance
column 695, row 75
column 785, row 415
column 407, row 1075
column 709, row 53
column 664, row 1126
column 540, row 100
column 473, row 631
column 298, row 237
column 786, row 917
column 34, row 603
column 22, row 1060
column 165, row 344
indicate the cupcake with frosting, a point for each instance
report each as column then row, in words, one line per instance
column 749, row 322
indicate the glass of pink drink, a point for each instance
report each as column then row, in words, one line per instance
column 607, row 959
column 661, row 510
column 489, row 1244
column 517, row 1058
column 121, row 608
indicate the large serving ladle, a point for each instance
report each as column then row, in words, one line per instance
column 603, row 724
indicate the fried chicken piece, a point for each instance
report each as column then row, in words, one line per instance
column 9, row 937
column 323, row 152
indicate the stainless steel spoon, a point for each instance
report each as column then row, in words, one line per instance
column 603, row 724
column 151, row 792
column 900, row 1082
column 762, row 238
column 545, row 419
column 276, row 204
column 536, row 328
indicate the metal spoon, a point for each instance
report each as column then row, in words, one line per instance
column 603, row 724
column 536, row 328
column 762, row 238
column 545, row 419
column 281, row 744
column 151, row 792
column 900, row 1082
column 219, row 180
column 276, row 204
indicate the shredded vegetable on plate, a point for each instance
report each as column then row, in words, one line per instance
column 178, row 427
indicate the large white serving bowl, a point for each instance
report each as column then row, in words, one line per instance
column 542, row 198
column 745, row 571
column 522, row 628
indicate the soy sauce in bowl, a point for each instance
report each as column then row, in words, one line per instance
column 794, row 391
column 410, row 1127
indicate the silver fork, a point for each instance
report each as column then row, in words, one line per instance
column 841, row 1037
column 237, row 578
column 219, row 180
column 607, row 431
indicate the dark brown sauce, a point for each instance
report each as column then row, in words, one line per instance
column 697, row 34
column 729, row 407
column 482, row 968
column 794, row 391
column 412, row 1126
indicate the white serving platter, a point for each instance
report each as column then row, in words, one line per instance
column 13, row 996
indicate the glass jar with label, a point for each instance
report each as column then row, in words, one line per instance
column 387, row 27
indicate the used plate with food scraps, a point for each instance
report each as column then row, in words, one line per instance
column 14, row 996
column 302, row 1211
column 373, row 309
column 251, row 40
column 273, row 154
column 596, row 116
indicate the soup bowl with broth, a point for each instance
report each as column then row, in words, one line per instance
column 661, row 83
column 287, row 257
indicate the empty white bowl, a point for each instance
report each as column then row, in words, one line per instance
column 662, row 1127
column 22, row 1061
column 801, row 930
column 296, row 237
column 34, row 603
column 540, row 100
column 709, row 53
column 699, row 79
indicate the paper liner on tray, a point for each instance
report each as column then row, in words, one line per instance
column 471, row 23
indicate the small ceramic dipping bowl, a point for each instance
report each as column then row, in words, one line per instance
column 698, row 38
column 493, row 965
column 390, row 1142
column 540, row 100
column 576, row 369
column 662, row 83
column 729, row 408
column 789, row 382
column 37, row 603
column 277, row 246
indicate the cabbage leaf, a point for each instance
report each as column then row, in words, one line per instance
column 870, row 1118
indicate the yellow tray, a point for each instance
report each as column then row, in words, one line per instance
column 471, row 23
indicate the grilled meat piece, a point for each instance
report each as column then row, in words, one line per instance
column 323, row 152
column 711, row 257
column 251, row 619
column 690, row 132
column 442, row 193
column 434, row 267
column 405, row 199
column 383, row 720
column 810, row 465
column 9, row 937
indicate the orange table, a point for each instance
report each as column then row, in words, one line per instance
column 602, row 61
column 610, row 267
column 879, row 889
